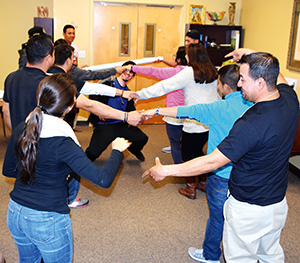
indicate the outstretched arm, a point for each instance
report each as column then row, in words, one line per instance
column 170, row 112
column 104, row 111
column 238, row 53
column 200, row 165
column 160, row 73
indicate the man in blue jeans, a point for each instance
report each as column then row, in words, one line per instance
column 220, row 116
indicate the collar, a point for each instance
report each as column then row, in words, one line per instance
column 53, row 126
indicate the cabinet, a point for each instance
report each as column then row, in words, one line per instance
column 226, row 37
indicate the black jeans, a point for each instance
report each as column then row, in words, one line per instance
column 104, row 134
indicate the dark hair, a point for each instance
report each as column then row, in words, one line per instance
column 193, row 33
column 129, row 62
column 60, row 41
column 66, row 27
column 62, row 53
column 54, row 95
column 230, row 75
column 180, row 56
column 204, row 70
column 262, row 65
column 37, row 48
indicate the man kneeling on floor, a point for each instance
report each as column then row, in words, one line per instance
column 106, row 130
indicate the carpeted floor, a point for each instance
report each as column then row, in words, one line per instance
column 137, row 220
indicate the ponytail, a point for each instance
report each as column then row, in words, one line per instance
column 27, row 146
column 54, row 95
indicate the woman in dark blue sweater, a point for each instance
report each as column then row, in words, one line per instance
column 40, row 155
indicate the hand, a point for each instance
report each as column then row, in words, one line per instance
column 101, row 118
column 120, row 144
column 238, row 53
column 135, row 118
column 120, row 70
column 130, row 95
column 84, row 66
column 149, row 113
column 156, row 172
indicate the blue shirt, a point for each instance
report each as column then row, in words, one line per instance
column 116, row 102
column 219, row 116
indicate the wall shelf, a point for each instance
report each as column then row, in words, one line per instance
column 221, row 35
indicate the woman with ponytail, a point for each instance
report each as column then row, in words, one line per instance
column 40, row 155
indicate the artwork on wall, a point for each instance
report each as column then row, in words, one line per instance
column 293, row 61
column 197, row 14
column 42, row 11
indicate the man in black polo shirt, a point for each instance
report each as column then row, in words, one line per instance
column 20, row 89
column 259, row 147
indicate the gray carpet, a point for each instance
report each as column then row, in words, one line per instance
column 137, row 220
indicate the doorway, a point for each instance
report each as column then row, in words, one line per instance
column 132, row 31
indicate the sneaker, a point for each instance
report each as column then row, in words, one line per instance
column 197, row 254
column 166, row 149
column 78, row 203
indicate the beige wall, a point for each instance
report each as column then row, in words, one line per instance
column 16, row 17
column 263, row 30
column 80, row 14
column 267, row 28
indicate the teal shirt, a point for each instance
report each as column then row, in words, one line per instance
column 220, row 116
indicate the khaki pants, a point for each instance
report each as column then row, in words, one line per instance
column 252, row 232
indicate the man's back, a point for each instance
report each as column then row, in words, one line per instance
column 20, row 92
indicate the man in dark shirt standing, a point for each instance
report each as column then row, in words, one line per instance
column 259, row 147
column 20, row 88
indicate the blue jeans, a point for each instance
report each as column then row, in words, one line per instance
column 174, row 133
column 73, row 187
column 40, row 234
column 216, row 192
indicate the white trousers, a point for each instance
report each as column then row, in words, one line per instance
column 252, row 232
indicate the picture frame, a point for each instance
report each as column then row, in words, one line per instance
column 197, row 14
column 293, row 60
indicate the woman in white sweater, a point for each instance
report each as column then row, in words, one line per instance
column 199, row 85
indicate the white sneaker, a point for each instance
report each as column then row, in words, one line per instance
column 78, row 203
column 197, row 254
column 166, row 149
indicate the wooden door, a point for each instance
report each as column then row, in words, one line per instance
column 107, row 20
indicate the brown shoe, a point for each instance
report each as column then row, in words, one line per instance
column 189, row 191
column 201, row 186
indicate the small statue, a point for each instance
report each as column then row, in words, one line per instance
column 231, row 13
column 42, row 11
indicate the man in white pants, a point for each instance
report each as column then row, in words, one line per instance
column 259, row 147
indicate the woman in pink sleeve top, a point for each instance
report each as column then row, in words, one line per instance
column 174, row 99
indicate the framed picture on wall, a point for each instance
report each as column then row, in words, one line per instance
column 293, row 61
column 197, row 14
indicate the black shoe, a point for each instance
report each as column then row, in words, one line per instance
column 140, row 156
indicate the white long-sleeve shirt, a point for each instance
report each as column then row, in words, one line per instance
column 194, row 93
column 98, row 89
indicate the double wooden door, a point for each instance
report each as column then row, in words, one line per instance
column 109, row 17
